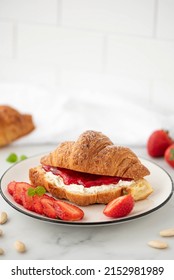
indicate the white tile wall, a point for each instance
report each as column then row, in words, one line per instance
column 163, row 95
column 29, row 72
column 105, row 82
column 124, row 16
column 140, row 57
column 6, row 39
column 65, row 47
column 125, row 46
column 165, row 15
column 38, row 11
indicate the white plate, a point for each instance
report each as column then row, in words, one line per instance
column 159, row 180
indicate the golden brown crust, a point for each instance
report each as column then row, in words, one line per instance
column 139, row 190
column 13, row 125
column 94, row 153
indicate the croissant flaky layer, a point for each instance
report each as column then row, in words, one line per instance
column 94, row 153
column 13, row 125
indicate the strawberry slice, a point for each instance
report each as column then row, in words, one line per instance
column 68, row 212
column 44, row 205
column 19, row 188
column 48, row 207
column 10, row 187
column 27, row 201
column 119, row 207
column 37, row 205
column 17, row 194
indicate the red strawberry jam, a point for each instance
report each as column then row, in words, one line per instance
column 80, row 178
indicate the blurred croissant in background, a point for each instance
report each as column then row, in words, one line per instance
column 13, row 125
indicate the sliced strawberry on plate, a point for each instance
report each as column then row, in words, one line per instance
column 17, row 194
column 119, row 207
column 67, row 211
column 48, row 207
column 37, row 205
column 19, row 188
column 25, row 194
column 10, row 187
column 27, row 201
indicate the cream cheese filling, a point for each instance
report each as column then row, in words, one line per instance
column 58, row 181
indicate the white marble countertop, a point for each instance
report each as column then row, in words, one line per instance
column 46, row 241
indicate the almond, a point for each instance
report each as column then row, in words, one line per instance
column 3, row 218
column 19, row 246
column 1, row 232
column 158, row 244
column 167, row 232
column 1, row 251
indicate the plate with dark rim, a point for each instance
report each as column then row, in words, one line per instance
column 159, row 179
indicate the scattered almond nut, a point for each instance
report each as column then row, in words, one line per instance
column 167, row 232
column 19, row 246
column 3, row 218
column 1, row 232
column 1, row 251
column 158, row 244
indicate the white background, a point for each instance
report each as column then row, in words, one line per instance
column 124, row 46
column 74, row 65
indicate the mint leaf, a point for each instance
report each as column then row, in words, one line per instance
column 12, row 158
column 22, row 157
column 31, row 192
column 40, row 190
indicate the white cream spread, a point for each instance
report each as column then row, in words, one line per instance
column 58, row 181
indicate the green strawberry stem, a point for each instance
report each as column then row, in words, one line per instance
column 172, row 154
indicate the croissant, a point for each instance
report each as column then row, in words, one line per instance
column 13, row 125
column 94, row 153
column 94, row 156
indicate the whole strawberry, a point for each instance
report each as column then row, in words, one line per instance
column 158, row 142
column 119, row 207
column 169, row 155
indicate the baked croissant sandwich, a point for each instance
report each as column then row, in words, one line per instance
column 13, row 125
column 91, row 170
